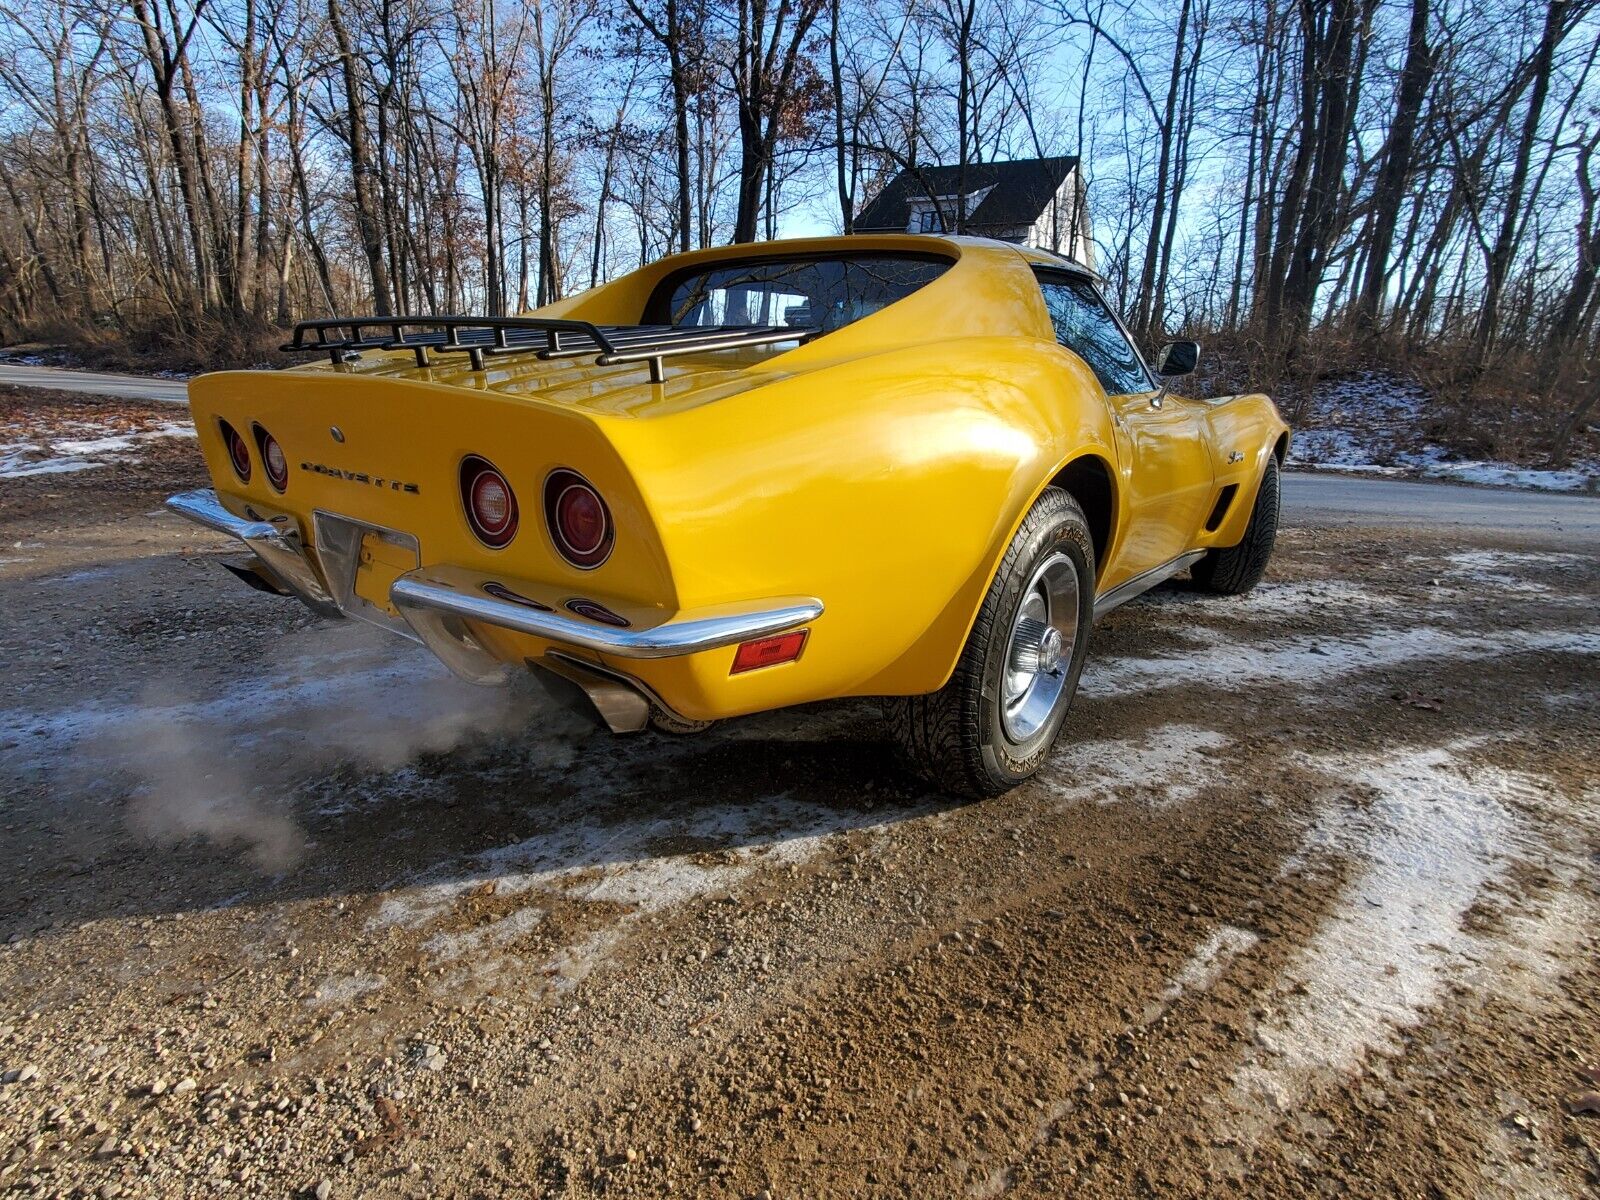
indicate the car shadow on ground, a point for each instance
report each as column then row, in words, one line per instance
column 225, row 800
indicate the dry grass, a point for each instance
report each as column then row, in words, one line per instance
column 204, row 344
column 1505, row 415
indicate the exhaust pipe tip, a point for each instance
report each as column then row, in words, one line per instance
column 253, row 573
column 616, row 705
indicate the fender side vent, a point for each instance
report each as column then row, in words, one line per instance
column 1220, row 509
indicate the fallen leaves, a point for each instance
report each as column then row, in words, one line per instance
column 1586, row 1103
column 396, row 1125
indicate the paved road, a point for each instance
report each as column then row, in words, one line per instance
column 1322, row 500
column 131, row 387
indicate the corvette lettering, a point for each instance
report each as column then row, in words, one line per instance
column 393, row 485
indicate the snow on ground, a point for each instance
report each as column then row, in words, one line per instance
column 1165, row 766
column 1315, row 661
column 1272, row 600
column 1426, row 837
column 1207, row 963
column 1372, row 423
column 1506, row 571
column 1434, row 834
column 58, row 447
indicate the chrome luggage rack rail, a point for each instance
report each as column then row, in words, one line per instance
column 547, row 337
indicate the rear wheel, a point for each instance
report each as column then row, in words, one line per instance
column 993, row 724
column 1237, row 569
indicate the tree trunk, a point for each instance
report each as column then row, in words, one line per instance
column 1498, row 261
column 369, row 221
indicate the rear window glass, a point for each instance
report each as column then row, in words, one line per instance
column 813, row 293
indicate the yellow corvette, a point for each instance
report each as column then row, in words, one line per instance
column 749, row 477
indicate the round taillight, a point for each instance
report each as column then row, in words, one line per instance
column 580, row 523
column 491, row 505
column 273, row 458
column 238, row 452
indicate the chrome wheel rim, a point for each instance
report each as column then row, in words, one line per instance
column 1039, row 649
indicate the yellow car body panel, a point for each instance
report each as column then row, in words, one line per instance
column 882, row 468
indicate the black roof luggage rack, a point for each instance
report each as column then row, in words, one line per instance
column 548, row 337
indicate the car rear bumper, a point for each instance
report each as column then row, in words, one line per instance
column 440, row 606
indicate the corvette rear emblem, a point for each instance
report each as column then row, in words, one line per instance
column 394, row 485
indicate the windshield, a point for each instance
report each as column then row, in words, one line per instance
column 821, row 292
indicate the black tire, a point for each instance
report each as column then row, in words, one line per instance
column 955, row 737
column 1236, row 570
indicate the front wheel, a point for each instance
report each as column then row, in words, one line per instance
column 993, row 724
column 1236, row 570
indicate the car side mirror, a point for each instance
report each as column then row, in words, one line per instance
column 1178, row 358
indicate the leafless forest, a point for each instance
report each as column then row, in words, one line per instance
column 1415, row 181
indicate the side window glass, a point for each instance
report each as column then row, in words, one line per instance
column 1086, row 327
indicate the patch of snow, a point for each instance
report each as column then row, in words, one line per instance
column 1276, row 600
column 1208, row 961
column 104, row 445
column 628, row 869
column 345, row 989
column 1165, row 766
column 1506, row 570
column 1433, row 836
column 44, row 453
column 1318, row 660
column 414, row 907
column 496, row 935
column 1352, row 468
column 18, row 469
column 1499, row 474
column 1371, row 423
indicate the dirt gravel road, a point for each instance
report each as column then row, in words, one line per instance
column 1305, row 903
column 94, row 383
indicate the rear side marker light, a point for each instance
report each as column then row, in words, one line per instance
column 768, row 652
column 273, row 459
column 238, row 452
column 490, row 504
column 579, row 521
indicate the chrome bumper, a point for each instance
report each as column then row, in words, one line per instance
column 438, row 602
column 280, row 551
column 457, row 593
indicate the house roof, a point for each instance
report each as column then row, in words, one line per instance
column 1022, row 190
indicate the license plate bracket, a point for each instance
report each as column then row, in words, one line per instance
column 360, row 561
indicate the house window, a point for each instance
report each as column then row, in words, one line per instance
column 928, row 221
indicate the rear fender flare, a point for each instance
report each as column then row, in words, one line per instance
column 950, row 647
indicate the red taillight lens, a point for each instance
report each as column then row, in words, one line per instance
column 491, row 505
column 273, row 458
column 580, row 523
column 238, row 452
column 769, row 652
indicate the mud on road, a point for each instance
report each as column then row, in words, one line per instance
column 1306, row 902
